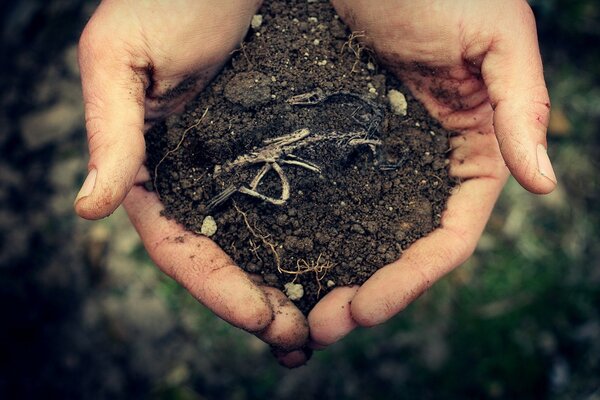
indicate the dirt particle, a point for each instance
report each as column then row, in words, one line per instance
column 249, row 89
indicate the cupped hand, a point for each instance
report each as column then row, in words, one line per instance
column 141, row 61
column 475, row 65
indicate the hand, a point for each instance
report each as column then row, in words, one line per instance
column 476, row 67
column 141, row 61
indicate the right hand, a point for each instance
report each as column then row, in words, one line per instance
column 141, row 61
column 476, row 67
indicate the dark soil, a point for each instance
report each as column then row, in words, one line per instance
column 364, row 182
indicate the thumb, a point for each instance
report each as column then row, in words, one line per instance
column 512, row 71
column 113, row 93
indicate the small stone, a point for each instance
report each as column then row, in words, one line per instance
column 397, row 102
column 257, row 21
column 294, row 291
column 209, row 226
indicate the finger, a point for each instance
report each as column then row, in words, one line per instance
column 294, row 359
column 113, row 93
column 396, row 285
column 512, row 71
column 330, row 320
column 289, row 330
column 198, row 264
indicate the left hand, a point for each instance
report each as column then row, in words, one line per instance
column 141, row 61
column 476, row 67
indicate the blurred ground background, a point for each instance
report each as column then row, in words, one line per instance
column 84, row 314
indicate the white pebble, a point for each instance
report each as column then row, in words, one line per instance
column 209, row 226
column 294, row 291
column 397, row 102
column 257, row 21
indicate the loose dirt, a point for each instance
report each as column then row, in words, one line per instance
column 315, row 165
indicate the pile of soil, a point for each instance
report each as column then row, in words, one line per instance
column 304, row 155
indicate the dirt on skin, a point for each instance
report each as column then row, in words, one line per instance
column 311, row 175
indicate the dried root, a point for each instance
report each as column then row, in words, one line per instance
column 263, row 238
column 169, row 152
column 278, row 152
column 355, row 46
column 318, row 267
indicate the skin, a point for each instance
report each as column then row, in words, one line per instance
column 475, row 65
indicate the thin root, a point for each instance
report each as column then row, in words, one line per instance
column 318, row 267
column 354, row 45
column 263, row 238
column 169, row 152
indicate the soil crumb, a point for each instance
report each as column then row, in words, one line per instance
column 315, row 165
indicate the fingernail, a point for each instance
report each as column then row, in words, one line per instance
column 88, row 185
column 544, row 164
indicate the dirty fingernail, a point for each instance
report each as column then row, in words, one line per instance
column 544, row 164
column 88, row 185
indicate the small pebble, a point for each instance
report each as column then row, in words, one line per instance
column 294, row 291
column 397, row 102
column 209, row 226
column 257, row 21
